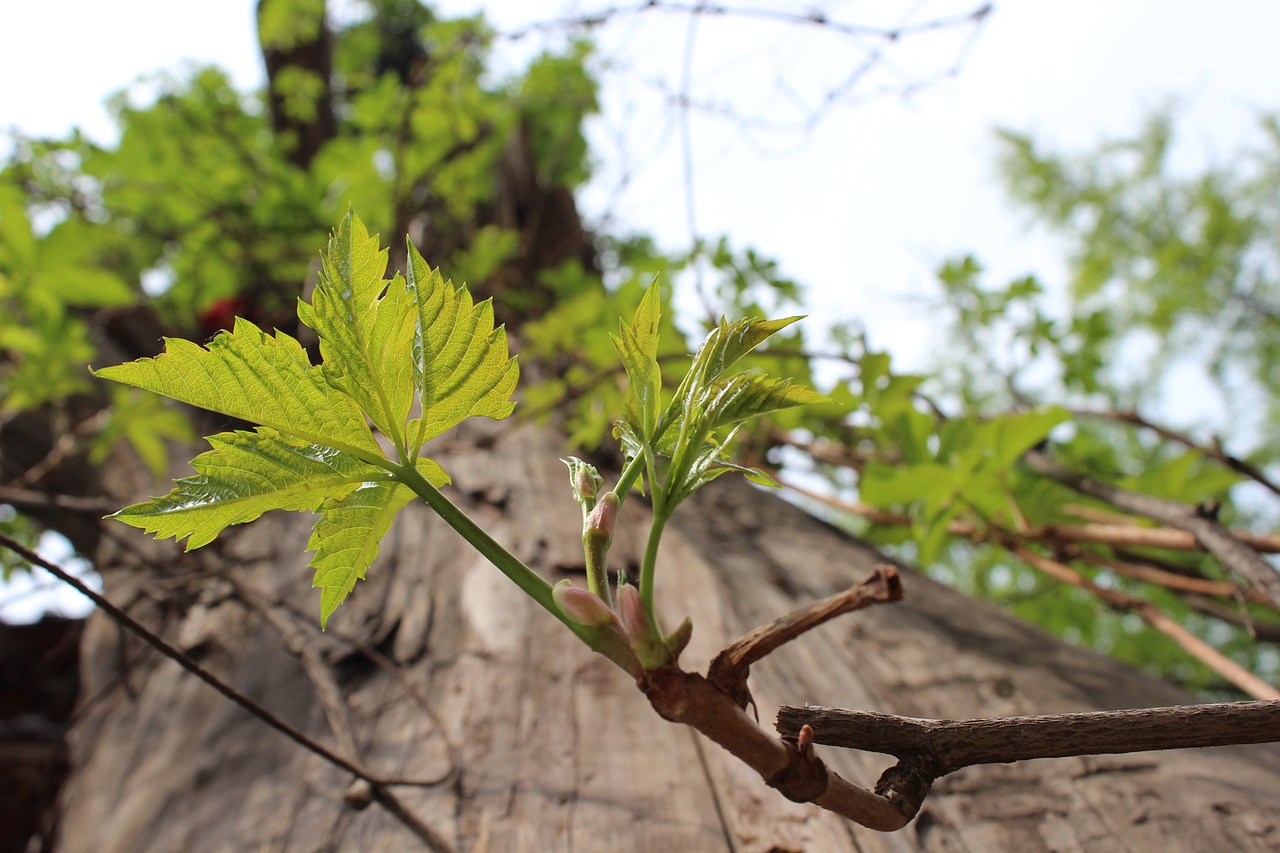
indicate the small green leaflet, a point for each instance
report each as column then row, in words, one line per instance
column 709, row 399
column 637, row 344
column 385, row 345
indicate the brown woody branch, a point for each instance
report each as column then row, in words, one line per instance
column 730, row 668
column 1183, row 584
column 1269, row 633
column 944, row 746
column 1110, row 534
column 1118, row 534
column 42, row 500
column 789, row 765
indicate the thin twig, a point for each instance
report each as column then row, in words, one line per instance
column 298, row 640
column 1268, row 633
column 1119, row 534
column 42, row 500
column 63, row 448
column 810, row 18
column 949, row 745
column 1180, row 583
column 378, row 783
column 730, row 668
column 1156, row 618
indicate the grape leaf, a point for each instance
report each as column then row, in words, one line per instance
column 709, row 400
column 366, row 328
column 729, row 342
column 256, row 377
column 460, row 363
column 347, row 536
column 385, row 345
column 249, row 473
column 749, row 394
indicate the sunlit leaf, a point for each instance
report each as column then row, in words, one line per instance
column 366, row 328
column 245, row 475
column 256, row 377
column 385, row 346
column 460, row 362
column 346, row 538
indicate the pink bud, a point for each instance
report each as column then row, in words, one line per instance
column 599, row 524
column 581, row 606
column 631, row 612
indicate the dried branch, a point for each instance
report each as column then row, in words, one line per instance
column 1187, row 585
column 944, row 746
column 729, row 669
column 67, row 444
column 1234, row 554
column 377, row 783
column 300, row 641
column 688, row 698
column 1234, row 616
column 42, row 500
column 814, row 18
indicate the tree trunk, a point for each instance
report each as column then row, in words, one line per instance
column 528, row 742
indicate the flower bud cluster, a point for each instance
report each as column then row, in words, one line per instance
column 627, row 630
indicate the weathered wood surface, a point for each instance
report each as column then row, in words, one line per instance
column 538, row 745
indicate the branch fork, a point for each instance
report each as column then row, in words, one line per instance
column 715, row 705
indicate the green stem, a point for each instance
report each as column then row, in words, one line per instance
column 628, row 477
column 510, row 565
column 649, row 565
column 606, row 642
column 637, row 463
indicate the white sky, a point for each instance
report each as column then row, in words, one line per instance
column 861, row 211
column 864, row 209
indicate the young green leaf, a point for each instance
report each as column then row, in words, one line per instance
column 460, row 362
column 637, row 344
column 750, row 394
column 385, row 345
column 366, row 328
column 347, row 536
column 249, row 473
column 256, row 377
column 729, row 342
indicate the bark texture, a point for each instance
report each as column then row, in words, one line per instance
column 449, row 675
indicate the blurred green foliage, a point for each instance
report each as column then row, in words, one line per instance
column 200, row 211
